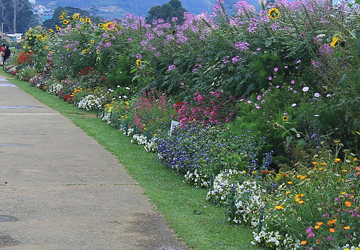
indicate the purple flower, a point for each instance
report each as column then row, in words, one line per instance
column 105, row 35
column 138, row 56
column 241, row 46
column 276, row 69
column 174, row 19
column 292, row 82
column 171, row 67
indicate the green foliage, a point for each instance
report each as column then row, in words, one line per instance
column 167, row 11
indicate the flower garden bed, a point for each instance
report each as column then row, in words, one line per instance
column 267, row 102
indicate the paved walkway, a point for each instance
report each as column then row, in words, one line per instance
column 59, row 189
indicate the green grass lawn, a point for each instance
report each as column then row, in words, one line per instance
column 176, row 200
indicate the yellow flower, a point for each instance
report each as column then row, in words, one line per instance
column 92, row 41
column 285, row 118
column 287, row 192
column 290, row 182
column 314, row 162
column 61, row 17
column 65, row 22
column 138, row 63
column 300, row 202
column 317, row 227
column 274, row 13
column 337, row 160
column 97, row 51
column 337, row 141
column 344, row 171
column 46, row 47
column 82, row 19
column 51, row 31
column 347, row 228
column 279, row 207
column 88, row 20
column 333, row 44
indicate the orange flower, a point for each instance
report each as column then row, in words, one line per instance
column 290, row 182
column 304, row 242
column 337, row 160
column 330, row 222
column 348, row 203
column 319, row 223
column 300, row 202
column 279, row 207
column 332, row 230
column 347, row 228
column 317, row 227
column 127, row 107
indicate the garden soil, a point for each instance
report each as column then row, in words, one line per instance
column 60, row 190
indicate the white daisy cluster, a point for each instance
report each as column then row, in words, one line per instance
column 90, row 102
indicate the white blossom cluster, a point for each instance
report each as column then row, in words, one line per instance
column 275, row 240
column 55, row 88
column 149, row 146
column 89, row 102
column 197, row 179
column 106, row 117
column 222, row 187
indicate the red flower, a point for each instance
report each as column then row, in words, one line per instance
column 178, row 105
column 103, row 78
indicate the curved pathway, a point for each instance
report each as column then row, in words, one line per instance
column 59, row 189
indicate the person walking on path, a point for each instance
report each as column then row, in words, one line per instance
column 2, row 54
column 7, row 54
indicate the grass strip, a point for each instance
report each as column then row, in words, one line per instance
column 176, row 200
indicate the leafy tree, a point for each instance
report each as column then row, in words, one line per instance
column 16, row 16
column 167, row 11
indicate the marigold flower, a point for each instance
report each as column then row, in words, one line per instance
column 337, row 160
column 348, row 203
column 347, row 228
column 332, row 230
column 314, row 162
column 290, row 182
column 300, row 202
column 304, row 242
column 319, row 223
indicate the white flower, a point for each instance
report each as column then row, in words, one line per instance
column 297, row 135
column 305, row 89
column 317, row 95
column 293, row 105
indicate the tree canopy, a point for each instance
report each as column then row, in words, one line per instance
column 16, row 16
column 167, row 11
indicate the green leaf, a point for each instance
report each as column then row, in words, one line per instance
column 283, row 134
column 357, row 1
column 301, row 143
column 338, row 54
column 288, row 140
column 294, row 129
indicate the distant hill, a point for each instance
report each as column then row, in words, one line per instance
column 118, row 8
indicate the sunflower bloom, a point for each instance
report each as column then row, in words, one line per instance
column 274, row 13
column 285, row 118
